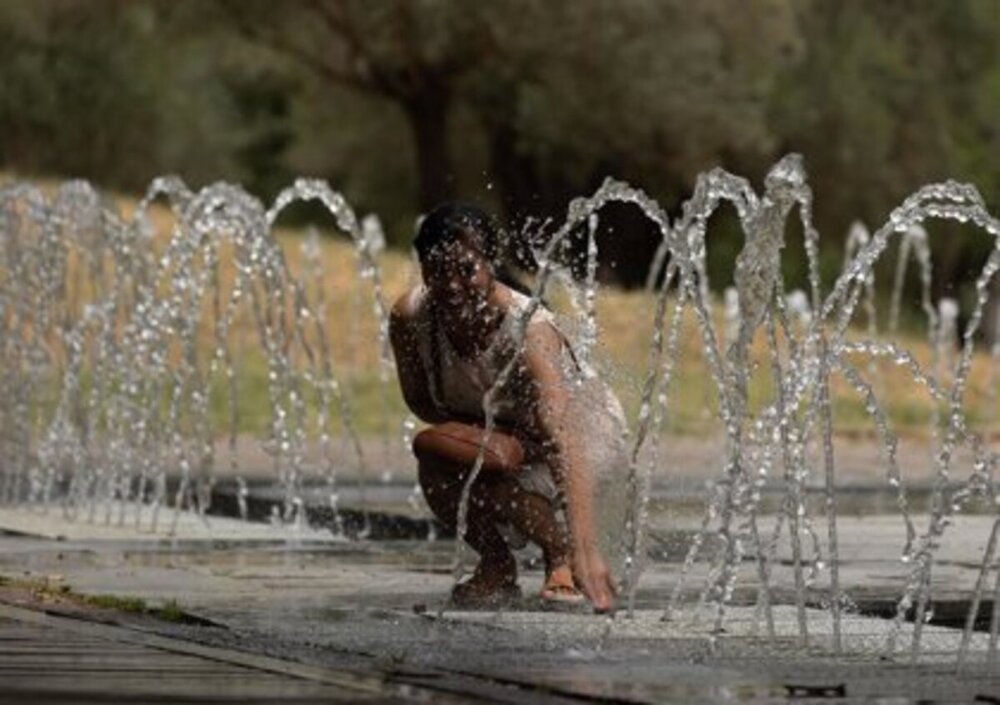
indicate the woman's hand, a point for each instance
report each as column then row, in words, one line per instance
column 592, row 576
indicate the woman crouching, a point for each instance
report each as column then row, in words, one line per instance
column 452, row 338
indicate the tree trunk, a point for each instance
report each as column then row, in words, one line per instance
column 427, row 112
column 515, row 175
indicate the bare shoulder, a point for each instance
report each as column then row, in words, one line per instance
column 406, row 307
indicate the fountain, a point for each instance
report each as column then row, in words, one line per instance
column 802, row 367
column 117, row 343
column 115, row 350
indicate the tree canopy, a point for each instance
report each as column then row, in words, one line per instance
column 522, row 104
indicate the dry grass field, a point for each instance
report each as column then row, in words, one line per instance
column 625, row 320
column 345, row 299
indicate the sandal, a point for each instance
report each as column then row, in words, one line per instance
column 560, row 589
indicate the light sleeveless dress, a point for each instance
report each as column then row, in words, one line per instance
column 459, row 385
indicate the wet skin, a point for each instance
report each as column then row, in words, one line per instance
column 470, row 306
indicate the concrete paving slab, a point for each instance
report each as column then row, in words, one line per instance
column 139, row 524
column 384, row 603
column 47, row 658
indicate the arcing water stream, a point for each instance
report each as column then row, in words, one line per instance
column 115, row 349
column 112, row 350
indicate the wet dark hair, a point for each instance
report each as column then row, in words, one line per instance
column 449, row 221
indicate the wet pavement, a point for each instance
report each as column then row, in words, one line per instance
column 48, row 658
column 378, row 609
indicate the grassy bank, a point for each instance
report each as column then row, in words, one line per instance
column 625, row 320
column 346, row 301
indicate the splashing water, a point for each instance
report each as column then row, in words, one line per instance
column 806, row 360
column 117, row 344
column 127, row 380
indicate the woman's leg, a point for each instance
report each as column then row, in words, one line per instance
column 494, row 500
column 442, row 485
column 534, row 518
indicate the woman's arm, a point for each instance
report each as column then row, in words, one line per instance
column 543, row 360
column 409, row 364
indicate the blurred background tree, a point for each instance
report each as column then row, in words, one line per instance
column 520, row 104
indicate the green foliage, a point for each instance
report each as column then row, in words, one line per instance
column 520, row 103
column 115, row 602
column 69, row 79
column 171, row 612
column 107, row 91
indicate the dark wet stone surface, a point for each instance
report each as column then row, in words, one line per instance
column 379, row 607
